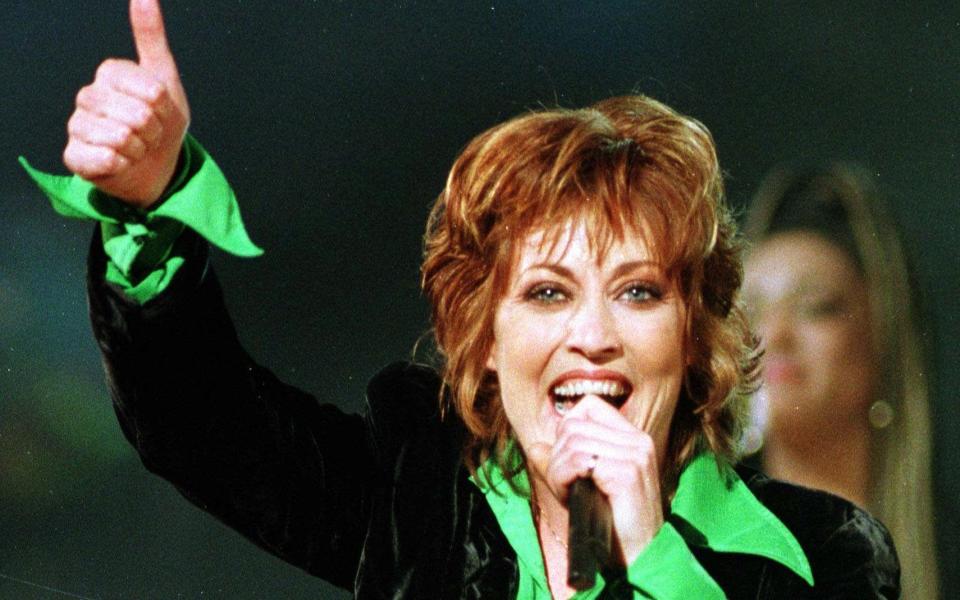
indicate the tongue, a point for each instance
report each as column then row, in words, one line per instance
column 568, row 402
column 574, row 400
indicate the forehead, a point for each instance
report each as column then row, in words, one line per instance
column 577, row 241
column 799, row 261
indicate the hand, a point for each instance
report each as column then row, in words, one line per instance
column 626, row 470
column 127, row 129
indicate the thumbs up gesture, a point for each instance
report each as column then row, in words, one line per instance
column 128, row 126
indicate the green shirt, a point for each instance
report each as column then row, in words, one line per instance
column 712, row 508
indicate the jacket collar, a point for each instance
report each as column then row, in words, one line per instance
column 715, row 509
column 712, row 508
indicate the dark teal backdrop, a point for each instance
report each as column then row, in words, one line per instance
column 336, row 122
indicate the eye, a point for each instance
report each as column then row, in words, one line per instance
column 640, row 293
column 547, row 293
column 821, row 308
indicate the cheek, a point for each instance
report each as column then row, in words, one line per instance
column 839, row 361
column 658, row 357
column 657, row 351
column 853, row 362
column 838, row 345
column 522, row 350
column 660, row 342
column 520, row 343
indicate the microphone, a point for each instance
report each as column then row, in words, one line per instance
column 588, row 544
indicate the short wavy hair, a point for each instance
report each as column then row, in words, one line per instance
column 628, row 166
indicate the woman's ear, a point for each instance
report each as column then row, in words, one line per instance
column 491, row 363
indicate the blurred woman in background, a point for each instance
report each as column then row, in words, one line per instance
column 844, row 400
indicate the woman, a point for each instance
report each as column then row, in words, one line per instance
column 582, row 269
column 845, row 389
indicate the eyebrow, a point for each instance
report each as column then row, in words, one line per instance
column 552, row 267
column 621, row 269
column 634, row 265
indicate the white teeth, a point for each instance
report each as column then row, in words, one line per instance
column 572, row 390
column 582, row 387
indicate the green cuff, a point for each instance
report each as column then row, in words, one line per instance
column 139, row 242
column 666, row 569
column 206, row 203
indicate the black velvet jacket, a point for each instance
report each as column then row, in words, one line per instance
column 378, row 503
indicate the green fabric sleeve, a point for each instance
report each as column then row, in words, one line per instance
column 666, row 570
column 139, row 242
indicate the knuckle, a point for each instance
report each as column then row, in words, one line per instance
column 107, row 68
column 648, row 445
column 85, row 96
column 155, row 93
column 639, row 461
column 119, row 162
column 574, row 439
column 142, row 117
column 122, row 135
column 106, row 159
column 73, row 124
column 75, row 160
column 644, row 462
column 68, row 156
column 643, row 441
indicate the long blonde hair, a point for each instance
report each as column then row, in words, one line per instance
column 900, row 492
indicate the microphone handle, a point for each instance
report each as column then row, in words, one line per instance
column 589, row 533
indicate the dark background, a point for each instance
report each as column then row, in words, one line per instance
column 336, row 123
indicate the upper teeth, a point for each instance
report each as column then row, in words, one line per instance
column 582, row 387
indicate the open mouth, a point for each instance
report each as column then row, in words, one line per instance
column 567, row 394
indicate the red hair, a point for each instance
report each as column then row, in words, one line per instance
column 627, row 166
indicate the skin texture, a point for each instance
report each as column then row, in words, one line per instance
column 566, row 311
column 128, row 126
column 809, row 305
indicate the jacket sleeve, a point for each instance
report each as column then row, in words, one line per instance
column 857, row 560
column 851, row 554
column 288, row 472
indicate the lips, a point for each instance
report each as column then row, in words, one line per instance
column 779, row 371
column 571, row 387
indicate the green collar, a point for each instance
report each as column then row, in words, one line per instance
column 712, row 508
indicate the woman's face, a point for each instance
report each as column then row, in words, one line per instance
column 572, row 324
column 809, row 305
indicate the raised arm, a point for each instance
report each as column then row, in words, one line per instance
column 288, row 472
column 128, row 126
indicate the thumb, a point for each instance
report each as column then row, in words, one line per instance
column 150, row 39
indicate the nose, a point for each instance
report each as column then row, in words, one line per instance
column 592, row 331
column 776, row 329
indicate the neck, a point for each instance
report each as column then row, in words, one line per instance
column 837, row 461
column 552, row 519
